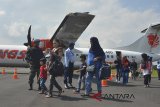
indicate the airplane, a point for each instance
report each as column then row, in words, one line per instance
column 70, row 30
column 149, row 43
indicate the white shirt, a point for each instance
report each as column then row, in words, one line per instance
column 69, row 57
column 158, row 66
column 147, row 70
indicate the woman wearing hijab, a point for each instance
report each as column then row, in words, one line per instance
column 96, row 57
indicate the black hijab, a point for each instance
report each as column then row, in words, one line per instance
column 95, row 47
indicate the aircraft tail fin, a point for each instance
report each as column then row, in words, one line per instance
column 149, row 43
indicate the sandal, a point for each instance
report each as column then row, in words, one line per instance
column 85, row 95
column 60, row 92
column 76, row 91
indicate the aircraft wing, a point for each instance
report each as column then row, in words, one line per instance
column 72, row 27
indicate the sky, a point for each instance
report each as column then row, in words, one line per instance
column 117, row 22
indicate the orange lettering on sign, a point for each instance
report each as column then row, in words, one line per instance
column 22, row 54
column 12, row 54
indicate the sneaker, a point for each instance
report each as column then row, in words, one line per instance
column 145, row 86
column 48, row 96
column 66, row 87
column 76, row 91
column 41, row 92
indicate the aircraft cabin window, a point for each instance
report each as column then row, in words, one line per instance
column 77, row 55
column 111, row 56
column 107, row 56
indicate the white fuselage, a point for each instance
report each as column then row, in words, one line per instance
column 13, row 55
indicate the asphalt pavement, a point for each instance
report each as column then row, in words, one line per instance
column 15, row 93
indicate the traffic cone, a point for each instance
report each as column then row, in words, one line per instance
column 110, row 78
column 3, row 71
column 104, row 83
column 15, row 74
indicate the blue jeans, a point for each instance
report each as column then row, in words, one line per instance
column 42, row 84
column 80, row 80
column 125, row 76
column 89, row 78
column 119, row 73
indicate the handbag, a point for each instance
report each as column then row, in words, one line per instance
column 90, row 68
column 56, row 68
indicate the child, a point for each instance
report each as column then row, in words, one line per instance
column 158, row 69
column 82, row 71
column 145, row 68
column 43, row 76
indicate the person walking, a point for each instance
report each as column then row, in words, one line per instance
column 145, row 67
column 125, row 70
column 96, row 57
column 133, row 67
column 118, row 63
column 55, row 55
column 33, row 56
column 82, row 71
column 158, row 69
column 43, row 76
column 69, row 65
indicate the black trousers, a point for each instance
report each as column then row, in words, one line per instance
column 55, row 83
column 146, row 79
column 68, row 74
column 149, row 77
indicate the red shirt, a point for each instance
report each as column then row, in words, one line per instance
column 43, row 72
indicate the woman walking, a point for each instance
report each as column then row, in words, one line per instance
column 56, row 54
column 96, row 57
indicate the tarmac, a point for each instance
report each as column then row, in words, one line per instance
column 15, row 93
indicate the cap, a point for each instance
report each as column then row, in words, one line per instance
column 36, row 41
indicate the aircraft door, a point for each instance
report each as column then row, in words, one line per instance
column 119, row 54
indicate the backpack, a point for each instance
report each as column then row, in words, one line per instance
column 56, row 68
column 105, row 71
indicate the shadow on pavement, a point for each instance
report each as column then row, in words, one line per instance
column 110, row 83
column 118, row 100
column 70, row 98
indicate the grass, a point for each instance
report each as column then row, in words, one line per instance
column 154, row 72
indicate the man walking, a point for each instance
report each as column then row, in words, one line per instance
column 33, row 56
column 69, row 64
